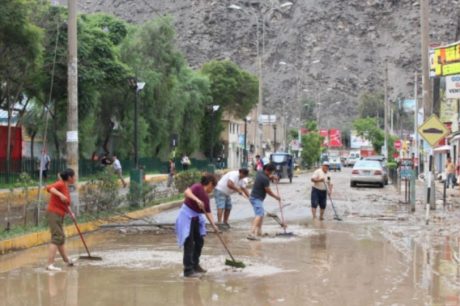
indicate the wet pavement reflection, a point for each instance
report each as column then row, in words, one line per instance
column 355, row 262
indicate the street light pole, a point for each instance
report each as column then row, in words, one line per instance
column 274, row 138
column 245, row 152
column 214, row 109
column 136, row 134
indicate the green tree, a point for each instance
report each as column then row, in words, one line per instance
column 234, row 90
column 367, row 127
column 311, row 144
column 372, row 105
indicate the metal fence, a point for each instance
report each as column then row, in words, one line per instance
column 87, row 168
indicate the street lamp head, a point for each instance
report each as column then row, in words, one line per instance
column 235, row 7
column 286, row 4
column 215, row 108
column 248, row 119
column 140, row 86
column 283, row 63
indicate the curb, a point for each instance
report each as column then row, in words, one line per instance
column 42, row 237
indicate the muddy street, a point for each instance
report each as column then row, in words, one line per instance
column 378, row 255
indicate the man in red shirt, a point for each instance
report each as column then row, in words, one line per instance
column 58, row 206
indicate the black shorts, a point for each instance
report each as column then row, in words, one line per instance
column 318, row 197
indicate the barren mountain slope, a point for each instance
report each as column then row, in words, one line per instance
column 336, row 44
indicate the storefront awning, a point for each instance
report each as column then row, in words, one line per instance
column 442, row 149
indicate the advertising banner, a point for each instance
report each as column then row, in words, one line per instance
column 453, row 87
column 356, row 142
column 446, row 60
column 335, row 138
column 325, row 134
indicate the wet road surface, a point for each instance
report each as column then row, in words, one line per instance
column 379, row 255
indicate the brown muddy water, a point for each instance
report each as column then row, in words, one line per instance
column 359, row 261
column 331, row 264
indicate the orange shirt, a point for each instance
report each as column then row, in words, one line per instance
column 55, row 204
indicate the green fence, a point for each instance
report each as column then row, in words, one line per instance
column 87, row 168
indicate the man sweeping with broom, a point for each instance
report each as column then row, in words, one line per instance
column 191, row 224
column 319, row 190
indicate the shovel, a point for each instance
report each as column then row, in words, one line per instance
column 89, row 257
column 336, row 216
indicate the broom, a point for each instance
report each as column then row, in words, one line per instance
column 232, row 263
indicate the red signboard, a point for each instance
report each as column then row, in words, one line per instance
column 325, row 134
column 335, row 138
column 397, row 144
column 365, row 152
column 16, row 142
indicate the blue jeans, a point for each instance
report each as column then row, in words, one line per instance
column 450, row 178
column 258, row 206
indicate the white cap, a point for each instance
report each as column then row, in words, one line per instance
column 326, row 163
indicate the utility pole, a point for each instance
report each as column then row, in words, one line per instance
column 385, row 112
column 416, row 139
column 427, row 100
column 72, row 88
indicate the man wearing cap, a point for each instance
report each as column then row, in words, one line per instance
column 319, row 191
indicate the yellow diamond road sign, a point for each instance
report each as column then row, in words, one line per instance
column 432, row 130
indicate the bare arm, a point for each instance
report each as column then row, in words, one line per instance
column 59, row 194
column 272, row 194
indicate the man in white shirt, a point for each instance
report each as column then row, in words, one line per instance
column 233, row 181
column 117, row 167
column 319, row 191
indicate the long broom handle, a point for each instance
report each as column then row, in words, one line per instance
column 332, row 202
column 79, row 232
column 219, row 236
column 281, row 208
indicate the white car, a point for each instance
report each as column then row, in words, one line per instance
column 367, row 172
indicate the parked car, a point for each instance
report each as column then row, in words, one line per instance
column 350, row 161
column 367, row 172
column 382, row 160
column 335, row 164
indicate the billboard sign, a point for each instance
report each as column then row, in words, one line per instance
column 446, row 60
column 325, row 134
column 335, row 138
column 356, row 142
column 453, row 87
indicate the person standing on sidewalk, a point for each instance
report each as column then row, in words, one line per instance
column 319, row 191
column 45, row 161
column 450, row 169
column 259, row 191
column 58, row 206
column 233, row 181
column 171, row 172
column 191, row 224
column 118, row 170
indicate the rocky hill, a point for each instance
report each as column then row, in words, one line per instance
column 327, row 50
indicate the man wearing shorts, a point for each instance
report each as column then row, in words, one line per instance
column 259, row 191
column 319, row 191
column 233, row 181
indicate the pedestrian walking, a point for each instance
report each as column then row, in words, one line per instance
column 185, row 161
column 58, row 206
column 231, row 182
column 45, row 161
column 319, row 191
column 118, row 170
column 171, row 172
column 191, row 224
column 259, row 191
column 259, row 165
column 450, row 169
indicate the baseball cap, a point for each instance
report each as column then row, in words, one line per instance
column 326, row 163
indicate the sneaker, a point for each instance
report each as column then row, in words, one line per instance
column 199, row 269
column 52, row 267
column 192, row 275
column 252, row 237
column 70, row 263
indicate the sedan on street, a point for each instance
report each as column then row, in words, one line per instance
column 367, row 172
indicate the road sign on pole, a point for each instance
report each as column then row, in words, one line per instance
column 433, row 130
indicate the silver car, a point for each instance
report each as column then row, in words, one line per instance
column 367, row 172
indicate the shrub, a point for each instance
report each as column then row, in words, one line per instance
column 184, row 179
